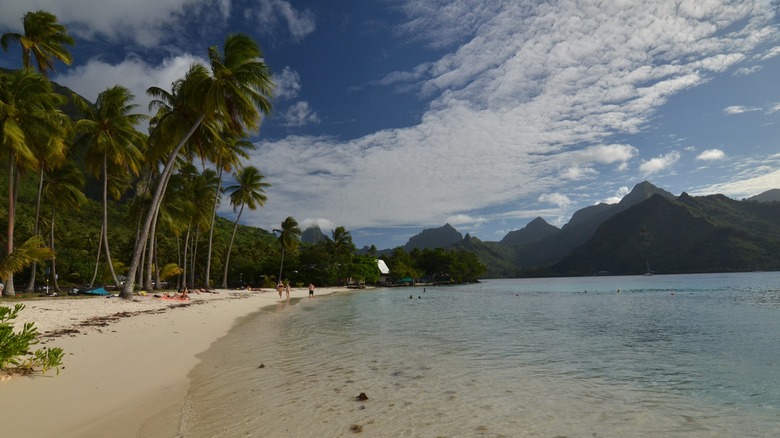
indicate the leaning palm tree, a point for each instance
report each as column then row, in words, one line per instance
column 43, row 39
column 249, row 190
column 289, row 238
column 113, row 144
column 28, row 117
column 233, row 97
column 62, row 189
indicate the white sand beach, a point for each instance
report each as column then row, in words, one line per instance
column 126, row 362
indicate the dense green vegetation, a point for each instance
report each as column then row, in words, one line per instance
column 435, row 265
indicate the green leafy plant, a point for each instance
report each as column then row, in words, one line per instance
column 14, row 347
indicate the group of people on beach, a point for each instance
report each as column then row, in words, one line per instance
column 282, row 287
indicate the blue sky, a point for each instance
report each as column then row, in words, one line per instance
column 392, row 116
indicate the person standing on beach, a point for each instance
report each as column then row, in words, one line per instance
column 287, row 290
column 280, row 288
column 311, row 290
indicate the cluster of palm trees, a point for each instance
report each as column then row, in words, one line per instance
column 206, row 115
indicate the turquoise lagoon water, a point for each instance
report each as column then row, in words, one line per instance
column 667, row 356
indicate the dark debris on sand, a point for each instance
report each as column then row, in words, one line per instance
column 104, row 321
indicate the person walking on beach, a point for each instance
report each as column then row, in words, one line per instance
column 311, row 290
column 287, row 290
column 280, row 288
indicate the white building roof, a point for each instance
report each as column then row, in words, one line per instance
column 382, row 266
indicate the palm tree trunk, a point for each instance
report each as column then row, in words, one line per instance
column 53, row 258
column 9, row 281
column 34, row 266
column 194, row 259
column 230, row 247
column 105, row 221
column 211, row 227
column 97, row 259
column 127, row 290
column 150, row 253
column 186, row 254
column 140, row 279
column 281, row 265
column 156, row 264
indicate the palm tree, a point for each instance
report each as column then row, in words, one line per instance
column 28, row 116
column 62, row 189
column 226, row 156
column 289, row 238
column 31, row 250
column 249, row 191
column 233, row 97
column 43, row 38
column 176, row 213
column 207, row 182
column 112, row 142
column 49, row 155
column 341, row 244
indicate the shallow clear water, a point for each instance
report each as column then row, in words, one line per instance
column 666, row 356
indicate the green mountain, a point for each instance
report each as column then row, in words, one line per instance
column 580, row 228
column 650, row 226
column 312, row 235
column 686, row 235
column 496, row 257
column 768, row 196
column 434, row 238
column 536, row 230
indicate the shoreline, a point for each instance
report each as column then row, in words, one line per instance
column 126, row 363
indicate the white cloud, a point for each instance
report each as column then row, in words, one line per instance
column 660, row 163
column 746, row 186
column 577, row 173
column 739, row 109
column 527, row 94
column 95, row 76
column 288, row 84
column 558, row 199
column 270, row 15
column 522, row 94
column 300, row 114
column 146, row 22
column 464, row 219
column 771, row 53
column 324, row 224
column 773, row 108
column 711, row 155
column 744, row 71
column 619, row 195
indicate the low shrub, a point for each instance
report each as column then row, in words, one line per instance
column 15, row 355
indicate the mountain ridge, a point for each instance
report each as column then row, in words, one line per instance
column 645, row 227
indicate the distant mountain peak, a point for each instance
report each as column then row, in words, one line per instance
column 768, row 196
column 434, row 238
column 312, row 235
column 643, row 191
column 537, row 229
